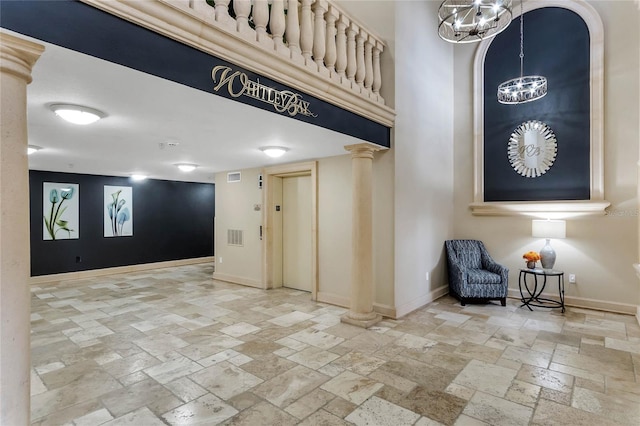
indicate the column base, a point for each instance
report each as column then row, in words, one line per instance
column 365, row 321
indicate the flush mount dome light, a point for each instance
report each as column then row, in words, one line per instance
column 186, row 167
column 274, row 151
column 77, row 114
column 33, row 148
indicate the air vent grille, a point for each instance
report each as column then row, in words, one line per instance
column 235, row 237
column 234, row 177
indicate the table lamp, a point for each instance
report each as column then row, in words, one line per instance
column 548, row 229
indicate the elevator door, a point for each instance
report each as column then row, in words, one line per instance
column 296, row 232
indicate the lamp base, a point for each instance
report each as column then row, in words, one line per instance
column 547, row 256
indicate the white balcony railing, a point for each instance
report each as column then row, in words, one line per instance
column 312, row 45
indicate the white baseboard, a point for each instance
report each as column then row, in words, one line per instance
column 583, row 302
column 419, row 302
column 250, row 282
column 334, row 299
column 93, row 273
column 385, row 310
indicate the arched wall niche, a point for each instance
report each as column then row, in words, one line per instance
column 595, row 204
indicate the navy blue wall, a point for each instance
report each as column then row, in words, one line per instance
column 172, row 220
column 557, row 47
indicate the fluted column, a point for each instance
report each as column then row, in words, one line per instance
column 361, row 309
column 17, row 57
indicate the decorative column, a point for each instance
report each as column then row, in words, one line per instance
column 17, row 57
column 361, row 311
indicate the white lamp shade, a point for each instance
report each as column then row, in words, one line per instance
column 549, row 228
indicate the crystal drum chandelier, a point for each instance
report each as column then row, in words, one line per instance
column 524, row 88
column 466, row 21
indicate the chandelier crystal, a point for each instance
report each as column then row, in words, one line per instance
column 467, row 21
column 524, row 88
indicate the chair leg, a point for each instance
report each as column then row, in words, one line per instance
column 503, row 301
column 462, row 301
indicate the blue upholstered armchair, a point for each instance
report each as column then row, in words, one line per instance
column 473, row 274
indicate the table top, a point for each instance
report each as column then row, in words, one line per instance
column 540, row 271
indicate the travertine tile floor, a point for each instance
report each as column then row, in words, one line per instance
column 172, row 346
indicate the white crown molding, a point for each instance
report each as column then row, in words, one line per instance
column 177, row 21
column 596, row 204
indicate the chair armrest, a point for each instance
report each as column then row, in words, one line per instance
column 491, row 266
column 459, row 273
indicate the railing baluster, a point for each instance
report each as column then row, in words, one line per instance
column 261, row 18
column 377, row 76
column 319, row 29
column 360, row 71
column 314, row 33
column 293, row 28
column 341, row 47
column 242, row 9
column 351, row 52
column 306, row 30
column 330, row 56
column 277, row 24
column 368, row 64
column 222, row 10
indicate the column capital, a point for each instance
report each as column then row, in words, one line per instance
column 17, row 55
column 363, row 150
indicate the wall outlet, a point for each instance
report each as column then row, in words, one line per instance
column 572, row 278
column 427, row 276
column 220, row 259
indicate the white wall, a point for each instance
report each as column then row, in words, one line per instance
column 423, row 144
column 243, row 265
column 599, row 250
column 235, row 210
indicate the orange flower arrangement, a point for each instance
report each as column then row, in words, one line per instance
column 531, row 256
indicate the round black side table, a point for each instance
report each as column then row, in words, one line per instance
column 533, row 295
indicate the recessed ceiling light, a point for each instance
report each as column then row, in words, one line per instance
column 77, row 114
column 186, row 167
column 138, row 177
column 274, row 151
column 33, row 148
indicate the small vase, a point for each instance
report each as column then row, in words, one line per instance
column 531, row 264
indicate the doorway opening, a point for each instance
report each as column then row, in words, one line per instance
column 290, row 227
